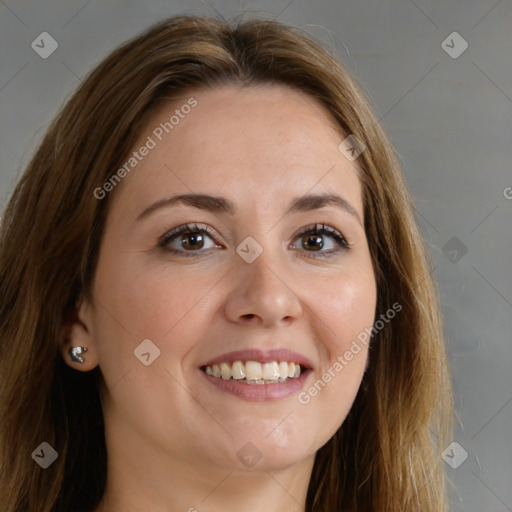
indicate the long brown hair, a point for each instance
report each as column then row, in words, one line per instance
column 386, row 455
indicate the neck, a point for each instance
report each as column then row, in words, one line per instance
column 144, row 478
column 135, row 488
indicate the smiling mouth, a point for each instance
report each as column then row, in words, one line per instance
column 254, row 372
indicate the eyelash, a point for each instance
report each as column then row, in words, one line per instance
column 322, row 229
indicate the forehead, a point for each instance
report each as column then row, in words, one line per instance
column 270, row 140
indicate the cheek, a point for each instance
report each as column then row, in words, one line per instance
column 154, row 304
column 346, row 308
column 352, row 311
column 346, row 305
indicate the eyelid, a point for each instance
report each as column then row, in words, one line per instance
column 187, row 228
column 325, row 229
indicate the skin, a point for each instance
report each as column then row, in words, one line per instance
column 172, row 438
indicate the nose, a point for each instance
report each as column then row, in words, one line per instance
column 262, row 294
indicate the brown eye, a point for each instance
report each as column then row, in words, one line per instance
column 192, row 241
column 314, row 243
column 188, row 239
column 316, row 237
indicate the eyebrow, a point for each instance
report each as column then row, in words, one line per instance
column 216, row 204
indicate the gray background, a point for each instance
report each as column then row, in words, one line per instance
column 450, row 120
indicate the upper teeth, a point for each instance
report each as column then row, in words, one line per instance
column 255, row 371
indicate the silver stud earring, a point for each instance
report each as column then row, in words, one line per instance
column 75, row 353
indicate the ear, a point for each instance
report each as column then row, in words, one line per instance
column 77, row 332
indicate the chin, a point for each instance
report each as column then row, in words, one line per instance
column 261, row 451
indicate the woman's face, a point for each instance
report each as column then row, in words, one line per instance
column 263, row 285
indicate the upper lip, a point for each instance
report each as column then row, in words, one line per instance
column 262, row 356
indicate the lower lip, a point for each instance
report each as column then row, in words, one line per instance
column 259, row 392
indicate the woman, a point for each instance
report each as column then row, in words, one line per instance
column 211, row 273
